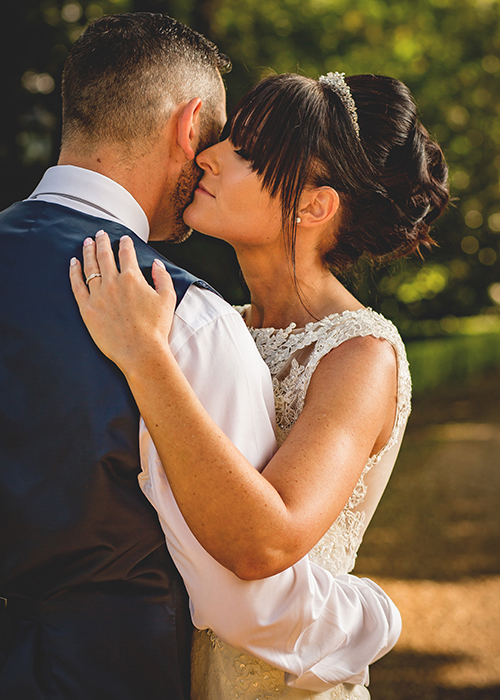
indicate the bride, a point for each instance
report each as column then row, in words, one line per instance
column 312, row 176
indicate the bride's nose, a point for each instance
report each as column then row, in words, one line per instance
column 207, row 159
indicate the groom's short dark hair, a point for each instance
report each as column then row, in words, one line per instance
column 126, row 73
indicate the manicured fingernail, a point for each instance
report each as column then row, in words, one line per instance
column 87, row 242
column 100, row 233
column 124, row 238
column 160, row 263
column 73, row 262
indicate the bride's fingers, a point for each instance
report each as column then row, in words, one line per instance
column 162, row 280
column 104, row 256
column 78, row 285
column 127, row 255
column 91, row 269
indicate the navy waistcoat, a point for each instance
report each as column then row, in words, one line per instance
column 95, row 607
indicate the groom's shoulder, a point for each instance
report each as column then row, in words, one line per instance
column 205, row 318
column 202, row 305
column 210, row 333
column 18, row 214
column 35, row 215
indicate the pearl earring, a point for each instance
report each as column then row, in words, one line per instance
column 298, row 219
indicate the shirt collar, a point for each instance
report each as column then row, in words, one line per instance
column 109, row 199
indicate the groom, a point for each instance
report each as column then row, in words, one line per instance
column 95, row 608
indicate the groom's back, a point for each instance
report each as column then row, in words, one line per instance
column 95, row 606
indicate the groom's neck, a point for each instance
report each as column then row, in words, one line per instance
column 150, row 176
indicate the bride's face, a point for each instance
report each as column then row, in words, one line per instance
column 230, row 203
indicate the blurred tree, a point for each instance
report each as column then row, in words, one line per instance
column 35, row 38
column 447, row 52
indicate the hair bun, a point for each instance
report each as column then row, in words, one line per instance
column 406, row 189
column 416, row 181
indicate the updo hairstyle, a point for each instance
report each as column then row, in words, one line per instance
column 392, row 179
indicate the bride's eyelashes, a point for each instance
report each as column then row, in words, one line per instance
column 242, row 153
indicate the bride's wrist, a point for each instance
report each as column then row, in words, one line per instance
column 147, row 360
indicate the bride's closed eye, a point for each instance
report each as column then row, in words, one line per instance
column 242, row 153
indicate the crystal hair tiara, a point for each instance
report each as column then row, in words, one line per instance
column 336, row 82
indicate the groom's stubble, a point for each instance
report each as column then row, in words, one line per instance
column 182, row 196
column 190, row 175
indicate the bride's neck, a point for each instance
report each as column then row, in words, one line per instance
column 278, row 297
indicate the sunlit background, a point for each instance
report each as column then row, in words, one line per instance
column 436, row 539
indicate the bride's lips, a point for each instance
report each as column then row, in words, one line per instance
column 204, row 190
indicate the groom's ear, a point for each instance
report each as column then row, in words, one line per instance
column 188, row 127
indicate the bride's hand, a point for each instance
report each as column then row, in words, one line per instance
column 125, row 316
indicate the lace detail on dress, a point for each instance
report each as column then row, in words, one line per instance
column 214, row 640
column 278, row 346
column 256, row 679
column 224, row 673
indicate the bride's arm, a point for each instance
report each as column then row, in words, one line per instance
column 254, row 524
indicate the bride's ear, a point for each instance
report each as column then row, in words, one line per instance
column 318, row 205
column 188, row 128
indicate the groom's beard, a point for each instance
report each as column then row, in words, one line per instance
column 188, row 180
column 182, row 196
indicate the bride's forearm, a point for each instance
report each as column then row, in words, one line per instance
column 235, row 513
column 257, row 524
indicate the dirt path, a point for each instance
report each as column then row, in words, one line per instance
column 434, row 545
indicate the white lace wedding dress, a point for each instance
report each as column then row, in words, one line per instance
column 220, row 672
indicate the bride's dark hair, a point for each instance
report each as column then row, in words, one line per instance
column 392, row 180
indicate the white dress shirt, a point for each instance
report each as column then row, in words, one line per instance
column 320, row 629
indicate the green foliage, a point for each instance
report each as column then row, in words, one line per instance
column 35, row 38
column 450, row 360
column 446, row 52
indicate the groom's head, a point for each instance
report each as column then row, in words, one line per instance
column 124, row 79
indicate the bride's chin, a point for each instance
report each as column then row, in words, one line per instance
column 188, row 219
column 195, row 223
